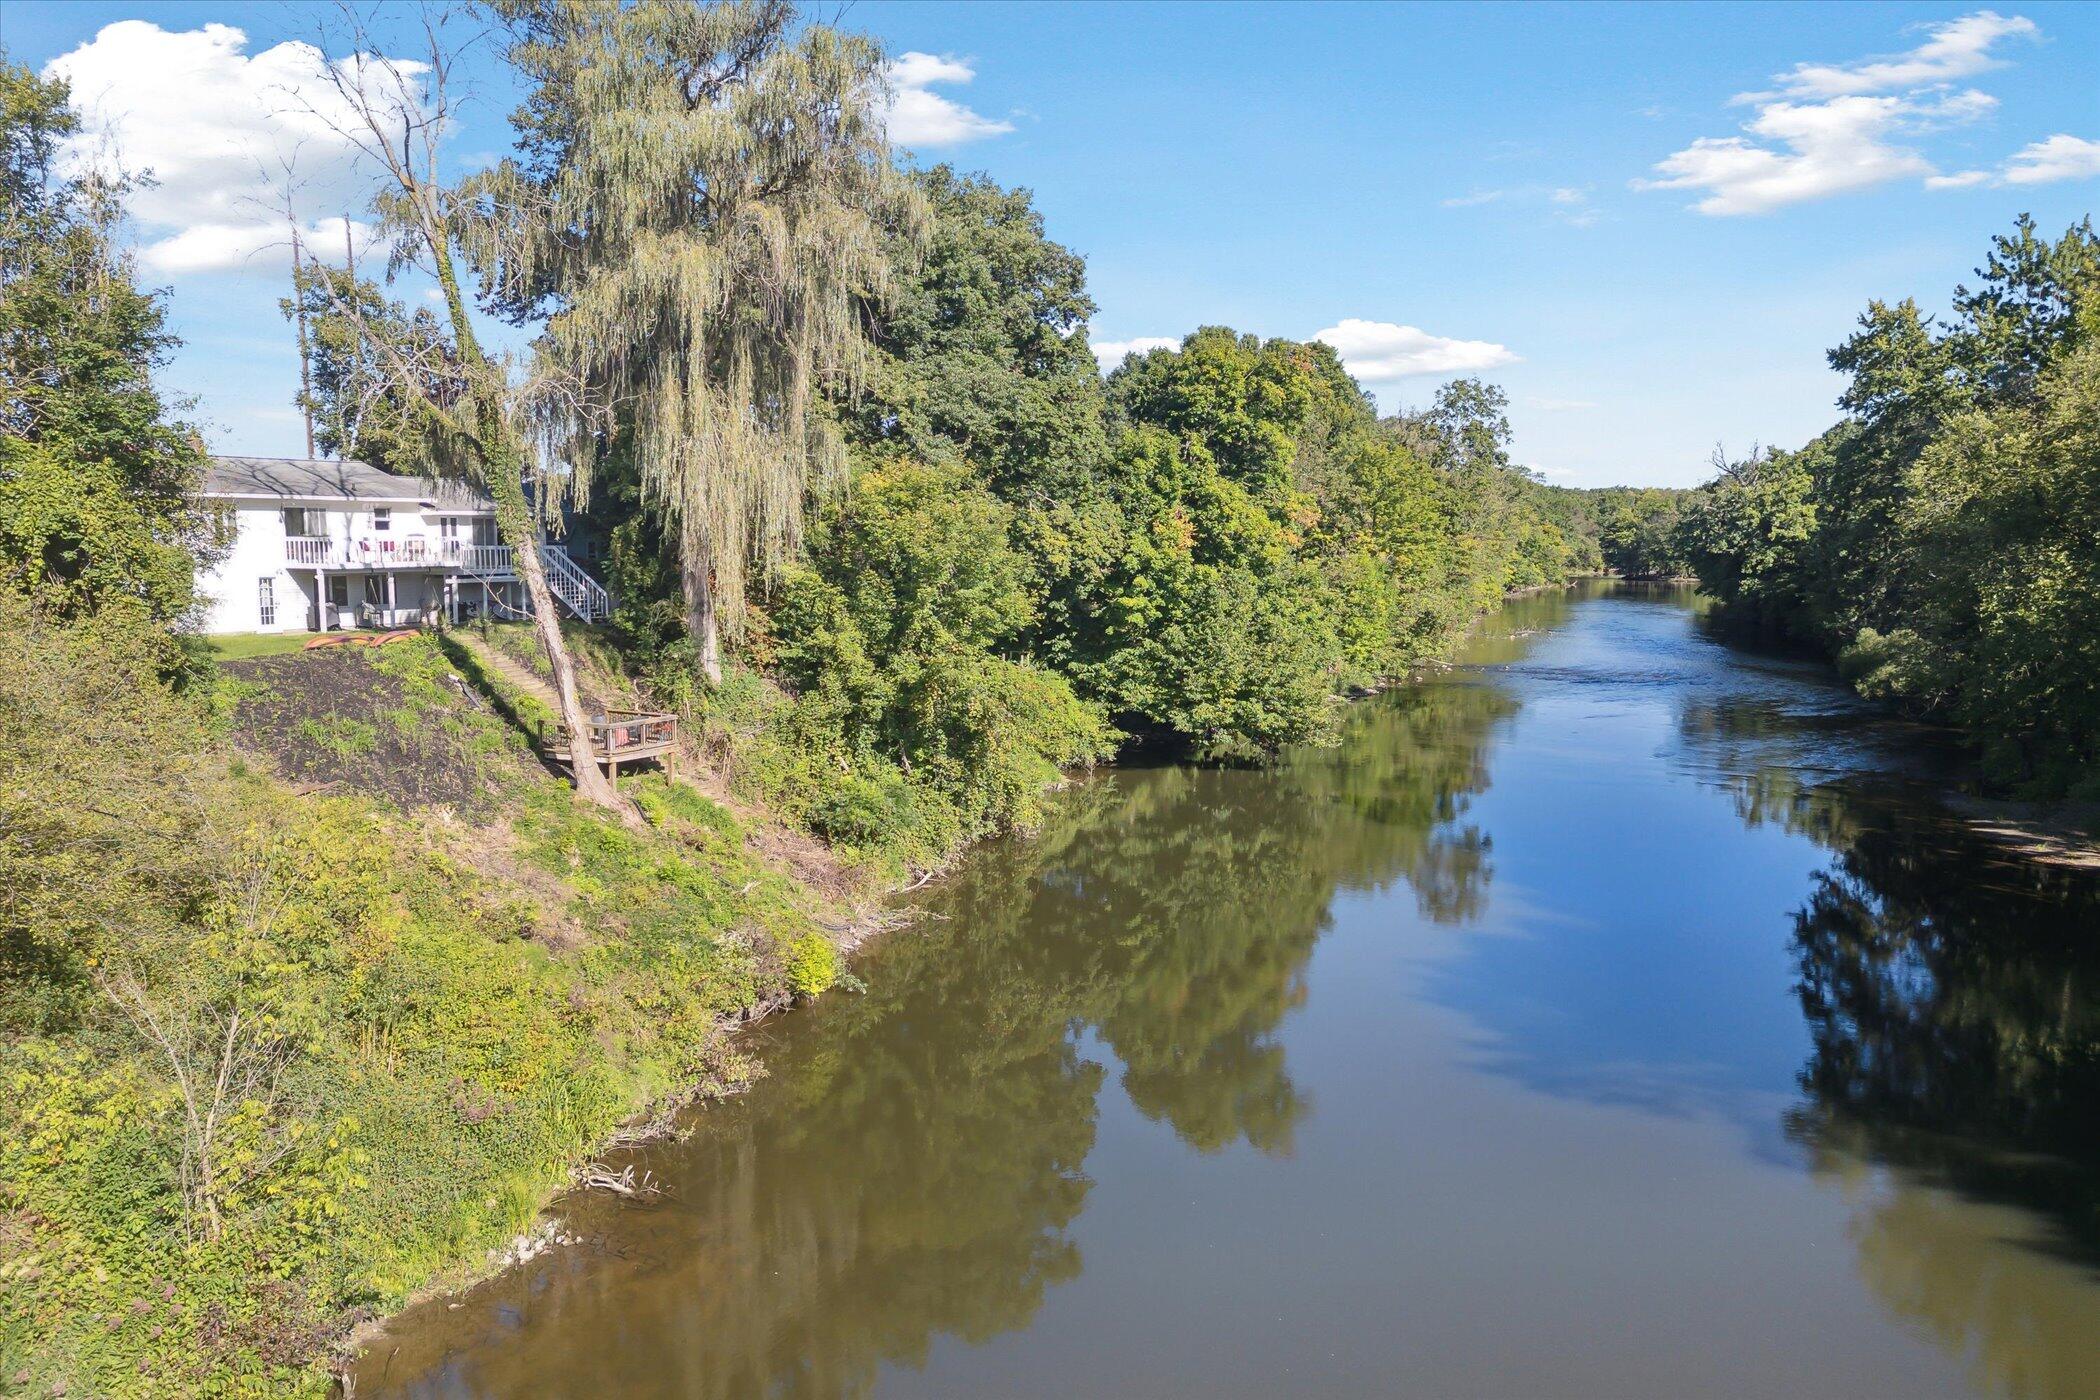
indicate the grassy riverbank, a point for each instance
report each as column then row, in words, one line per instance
column 411, row 985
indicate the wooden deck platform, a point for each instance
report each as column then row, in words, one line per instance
column 622, row 736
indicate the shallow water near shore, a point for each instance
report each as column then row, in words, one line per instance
column 1614, row 1014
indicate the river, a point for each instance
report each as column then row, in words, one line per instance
column 1616, row 1013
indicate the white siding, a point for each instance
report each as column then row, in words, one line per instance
column 230, row 588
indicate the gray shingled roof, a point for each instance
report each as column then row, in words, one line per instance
column 310, row 479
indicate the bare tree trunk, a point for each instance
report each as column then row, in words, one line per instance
column 306, row 353
column 399, row 127
column 514, row 524
column 701, row 623
column 504, row 477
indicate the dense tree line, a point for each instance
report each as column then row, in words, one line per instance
column 1209, row 551
column 1942, row 542
column 1015, row 566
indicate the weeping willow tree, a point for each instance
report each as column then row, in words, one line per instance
column 700, row 209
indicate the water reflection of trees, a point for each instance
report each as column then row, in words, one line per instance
column 1948, row 990
column 913, row 1164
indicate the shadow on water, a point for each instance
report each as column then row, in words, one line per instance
column 1949, row 992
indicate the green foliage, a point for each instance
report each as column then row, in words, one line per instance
column 983, row 356
column 371, row 364
column 1939, row 543
column 812, row 965
column 97, row 759
column 398, row 1036
column 1639, row 531
column 892, row 638
column 97, row 488
column 1745, row 536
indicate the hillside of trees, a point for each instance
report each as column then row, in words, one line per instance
column 1942, row 541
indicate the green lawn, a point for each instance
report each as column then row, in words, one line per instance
column 239, row 646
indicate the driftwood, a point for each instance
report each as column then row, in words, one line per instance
column 623, row 1182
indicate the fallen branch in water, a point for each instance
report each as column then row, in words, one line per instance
column 623, row 1182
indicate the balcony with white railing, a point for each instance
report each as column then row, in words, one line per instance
column 397, row 552
column 481, row 558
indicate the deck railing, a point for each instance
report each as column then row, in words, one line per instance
column 619, row 736
column 405, row 552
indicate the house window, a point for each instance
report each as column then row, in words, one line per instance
column 382, row 520
column 266, row 601
column 338, row 591
column 298, row 523
column 484, row 530
column 448, row 526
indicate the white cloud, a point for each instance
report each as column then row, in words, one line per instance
column 217, row 129
column 1467, row 201
column 2060, row 157
column 1110, row 353
column 1822, row 149
column 1379, row 351
column 918, row 117
column 1837, row 128
column 1561, row 405
column 1958, row 48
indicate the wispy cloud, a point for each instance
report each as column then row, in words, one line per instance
column 1960, row 48
column 1380, row 351
column 1570, row 204
column 919, row 116
column 1560, row 405
column 1838, row 128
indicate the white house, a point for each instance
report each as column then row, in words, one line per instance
column 321, row 545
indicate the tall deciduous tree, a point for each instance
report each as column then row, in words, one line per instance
column 473, row 414
column 700, row 208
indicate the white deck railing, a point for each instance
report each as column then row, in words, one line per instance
column 407, row 552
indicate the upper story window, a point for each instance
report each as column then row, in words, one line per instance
column 448, row 527
column 300, row 523
column 382, row 520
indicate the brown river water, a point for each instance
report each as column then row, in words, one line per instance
column 1615, row 1014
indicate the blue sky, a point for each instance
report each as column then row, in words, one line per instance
column 1647, row 222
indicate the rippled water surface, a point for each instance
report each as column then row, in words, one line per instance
column 1616, row 1014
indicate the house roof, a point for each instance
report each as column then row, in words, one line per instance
column 317, row 479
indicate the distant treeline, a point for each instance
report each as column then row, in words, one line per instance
column 1942, row 542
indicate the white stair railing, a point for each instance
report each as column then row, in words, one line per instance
column 572, row 584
